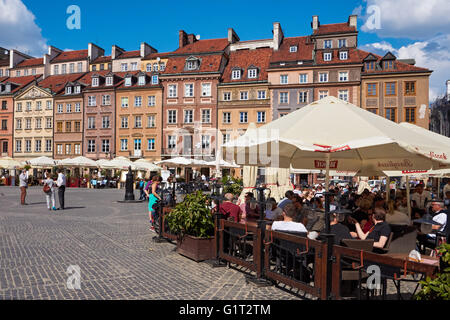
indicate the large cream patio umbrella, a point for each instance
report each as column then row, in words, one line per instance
column 10, row 163
column 79, row 162
column 177, row 162
column 42, row 163
column 143, row 164
column 121, row 163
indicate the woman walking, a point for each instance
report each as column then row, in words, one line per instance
column 153, row 197
column 49, row 190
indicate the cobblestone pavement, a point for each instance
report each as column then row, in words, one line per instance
column 111, row 244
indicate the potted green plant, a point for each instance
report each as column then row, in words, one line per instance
column 438, row 288
column 193, row 222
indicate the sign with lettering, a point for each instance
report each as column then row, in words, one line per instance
column 322, row 164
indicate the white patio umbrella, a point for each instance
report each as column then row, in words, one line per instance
column 102, row 162
column 10, row 163
column 176, row 162
column 143, row 164
column 121, row 163
column 42, row 162
column 79, row 162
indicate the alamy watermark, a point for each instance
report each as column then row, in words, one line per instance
column 73, row 22
column 74, row 279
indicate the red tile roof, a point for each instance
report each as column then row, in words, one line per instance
column 202, row 46
column 334, row 28
column 57, row 83
column 30, row 63
column 244, row 59
column 71, row 56
column 156, row 55
column 398, row 66
column 304, row 50
column 209, row 63
column 353, row 56
column 20, row 82
column 135, row 85
column 102, row 59
column 3, row 79
column 4, row 62
column 130, row 54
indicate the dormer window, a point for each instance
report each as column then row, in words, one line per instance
column 327, row 44
column 252, row 73
column 327, row 56
column 155, row 67
column 68, row 90
column 388, row 64
column 370, row 65
column 149, row 67
column 343, row 55
column 293, row 49
column 191, row 64
column 109, row 81
column 162, row 66
column 141, row 80
column 128, row 81
column 77, row 89
column 95, row 82
column 155, row 80
column 342, row 43
column 236, row 74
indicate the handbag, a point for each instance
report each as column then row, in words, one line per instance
column 46, row 188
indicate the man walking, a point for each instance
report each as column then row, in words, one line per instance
column 61, row 183
column 23, row 184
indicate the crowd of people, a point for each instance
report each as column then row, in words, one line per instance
column 368, row 215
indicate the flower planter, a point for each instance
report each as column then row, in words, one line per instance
column 197, row 249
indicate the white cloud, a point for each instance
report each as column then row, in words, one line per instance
column 413, row 19
column 433, row 54
column 19, row 29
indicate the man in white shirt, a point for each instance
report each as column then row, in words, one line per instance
column 23, row 185
column 61, row 183
column 288, row 224
column 440, row 217
column 446, row 187
column 421, row 196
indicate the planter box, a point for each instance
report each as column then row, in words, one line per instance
column 197, row 249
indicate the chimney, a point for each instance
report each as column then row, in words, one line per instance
column 353, row 21
column 47, row 67
column 182, row 39
column 146, row 49
column 315, row 24
column 277, row 35
column 191, row 38
column 15, row 57
column 94, row 52
column 116, row 51
column 53, row 52
column 232, row 36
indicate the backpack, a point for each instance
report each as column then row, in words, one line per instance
column 46, row 188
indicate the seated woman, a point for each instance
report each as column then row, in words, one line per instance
column 395, row 216
column 379, row 232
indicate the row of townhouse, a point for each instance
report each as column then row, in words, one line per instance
column 146, row 104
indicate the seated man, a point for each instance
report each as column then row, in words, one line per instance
column 288, row 196
column 288, row 224
column 440, row 216
column 379, row 232
column 273, row 212
column 230, row 210
column 339, row 230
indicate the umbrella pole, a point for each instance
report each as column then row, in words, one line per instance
column 388, row 189
column 327, row 174
column 438, row 186
column 408, row 196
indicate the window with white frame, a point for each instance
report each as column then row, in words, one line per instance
column 134, row 66
column 171, row 142
column 77, row 89
column 284, row 97
column 172, row 90
column 284, row 79
column 92, row 101
column 38, row 105
column 293, row 49
column 18, row 145
column 19, row 107
column 343, row 55
column 80, row 67
column 243, row 117
column 138, row 122
column 109, row 81
column 236, row 74
column 124, row 101
column 155, row 79
column 327, row 56
column 226, row 138
column 137, row 144
column 106, row 100
column 343, row 76
column 28, row 124
column 105, row 145
column 48, row 145
column 138, row 101
column 91, row 146
column 37, row 145
column 95, row 82
column 59, row 149
column 128, row 81
column 323, row 77
column 342, row 43
column 105, row 122
column 155, row 67
column 124, row 122
column 303, row 97
column 303, row 78
column 188, row 116
column 162, row 66
column 68, row 107
column 19, row 124
column 327, row 44
column 261, row 94
column 172, row 116
column 189, row 90
column 18, row 73
column 48, row 123
column 28, row 106
column 323, row 94
column 151, row 101
column 59, row 108
column 123, row 144
column 151, row 144
column 343, row 95
column 91, row 122
column 141, row 80
column 64, row 69
column 206, row 116
column 151, row 121
column 191, row 64
column 252, row 73
column 227, row 117
column 244, row 95
column 25, row 72
column 69, row 90
column 124, row 67
column 206, row 141
column 77, row 148
column 261, row 117
column 149, row 67
column 227, row 96
column 206, row 89
column 56, row 69
column 27, row 145
column 38, row 123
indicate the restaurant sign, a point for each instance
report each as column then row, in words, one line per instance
column 321, row 164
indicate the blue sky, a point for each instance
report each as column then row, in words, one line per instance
column 409, row 28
